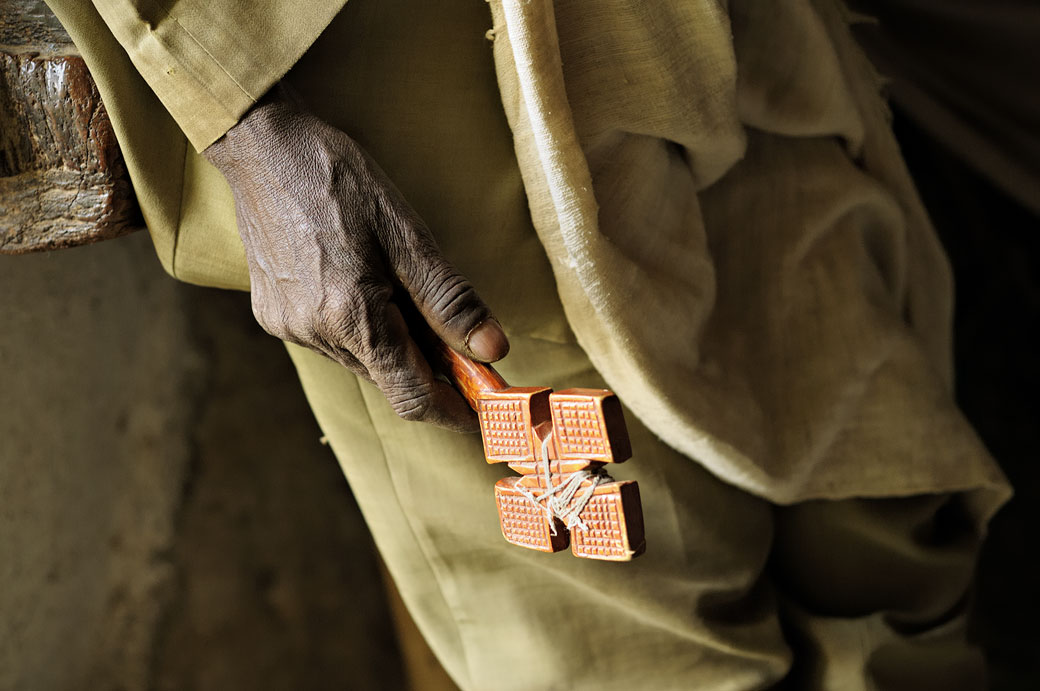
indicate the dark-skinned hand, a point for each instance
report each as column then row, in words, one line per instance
column 331, row 243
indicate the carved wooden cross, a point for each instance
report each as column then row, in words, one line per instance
column 563, row 439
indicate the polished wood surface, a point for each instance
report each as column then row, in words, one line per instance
column 574, row 430
column 471, row 378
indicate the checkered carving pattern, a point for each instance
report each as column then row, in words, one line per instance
column 579, row 429
column 605, row 537
column 522, row 522
column 503, row 428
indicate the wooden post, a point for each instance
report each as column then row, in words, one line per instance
column 62, row 178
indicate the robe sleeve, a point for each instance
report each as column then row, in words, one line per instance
column 208, row 61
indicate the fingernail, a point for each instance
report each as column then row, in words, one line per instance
column 487, row 341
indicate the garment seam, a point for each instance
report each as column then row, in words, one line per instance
column 212, row 58
column 209, row 124
column 180, row 210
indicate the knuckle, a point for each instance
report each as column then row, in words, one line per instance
column 282, row 323
column 410, row 402
column 269, row 323
column 353, row 317
column 333, row 325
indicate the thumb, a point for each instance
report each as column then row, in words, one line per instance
column 449, row 303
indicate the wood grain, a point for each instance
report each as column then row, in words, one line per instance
column 63, row 182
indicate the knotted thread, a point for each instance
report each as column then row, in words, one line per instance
column 563, row 501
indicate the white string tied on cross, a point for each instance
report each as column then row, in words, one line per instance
column 563, row 501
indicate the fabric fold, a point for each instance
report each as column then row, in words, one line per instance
column 736, row 243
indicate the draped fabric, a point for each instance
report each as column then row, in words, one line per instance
column 732, row 233
column 716, row 197
column 736, row 243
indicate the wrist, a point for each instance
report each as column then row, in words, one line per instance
column 270, row 116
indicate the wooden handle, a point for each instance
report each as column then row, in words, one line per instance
column 469, row 377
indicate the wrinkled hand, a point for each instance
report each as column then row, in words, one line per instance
column 329, row 240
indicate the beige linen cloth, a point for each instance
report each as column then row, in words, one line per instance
column 794, row 340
